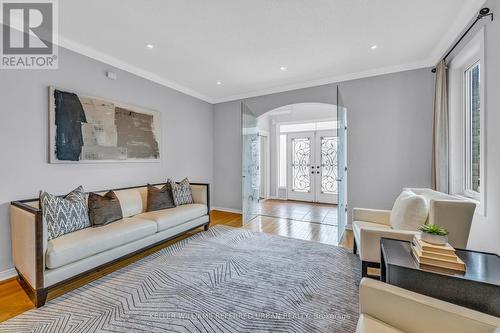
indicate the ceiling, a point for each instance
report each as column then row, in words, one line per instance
column 243, row 44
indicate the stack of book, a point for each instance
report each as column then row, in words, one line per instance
column 440, row 256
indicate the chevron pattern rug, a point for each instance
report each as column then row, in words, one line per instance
column 221, row 280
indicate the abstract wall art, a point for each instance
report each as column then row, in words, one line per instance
column 86, row 129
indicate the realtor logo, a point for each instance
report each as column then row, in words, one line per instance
column 29, row 34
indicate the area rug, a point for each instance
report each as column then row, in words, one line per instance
column 222, row 280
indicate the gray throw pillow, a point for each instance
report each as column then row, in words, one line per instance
column 160, row 198
column 64, row 214
column 181, row 192
column 104, row 209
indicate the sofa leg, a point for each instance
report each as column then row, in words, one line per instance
column 37, row 296
column 355, row 248
column 41, row 297
column 205, row 227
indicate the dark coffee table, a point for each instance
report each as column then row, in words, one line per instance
column 477, row 289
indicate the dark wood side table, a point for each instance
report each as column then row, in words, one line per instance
column 477, row 289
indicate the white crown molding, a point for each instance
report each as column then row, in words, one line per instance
column 107, row 59
column 74, row 46
column 469, row 11
column 328, row 80
column 7, row 274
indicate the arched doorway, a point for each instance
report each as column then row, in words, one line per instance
column 290, row 161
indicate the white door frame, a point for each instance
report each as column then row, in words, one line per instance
column 265, row 173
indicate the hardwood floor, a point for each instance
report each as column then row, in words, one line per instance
column 294, row 229
column 299, row 210
column 14, row 301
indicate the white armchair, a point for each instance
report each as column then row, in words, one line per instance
column 388, row 309
column 370, row 225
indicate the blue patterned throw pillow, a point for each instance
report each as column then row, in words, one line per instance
column 64, row 214
column 181, row 192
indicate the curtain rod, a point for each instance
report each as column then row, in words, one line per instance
column 484, row 12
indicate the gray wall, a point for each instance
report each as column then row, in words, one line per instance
column 389, row 136
column 187, row 125
column 227, row 155
column 485, row 230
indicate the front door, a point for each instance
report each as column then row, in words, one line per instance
column 312, row 166
column 326, row 166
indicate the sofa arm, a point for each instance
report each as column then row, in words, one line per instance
column 201, row 194
column 369, row 241
column 411, row 312
column 27, row 234
column 371, row 215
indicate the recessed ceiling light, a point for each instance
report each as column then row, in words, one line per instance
column 374, row 47
column 219, row 83
column 283, row 68
column 150, row 46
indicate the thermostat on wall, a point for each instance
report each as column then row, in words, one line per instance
column 111, row 75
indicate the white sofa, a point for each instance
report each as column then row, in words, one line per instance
column 370, row 225
column 388, row 309
column 43, row 264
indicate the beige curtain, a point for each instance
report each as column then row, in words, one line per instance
column 440, row 139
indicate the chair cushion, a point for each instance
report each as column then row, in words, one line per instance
column 409, row 212
column 367, row 324
column 168, row 218
column 89, row 241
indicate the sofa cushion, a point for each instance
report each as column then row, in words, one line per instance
column 160, row 198
column 130, row 201
column 168, row 218
column 64, row 214
column 181, row 192
column 367, row 324
column 409, row 212
column 104, row 209
column 87, row 242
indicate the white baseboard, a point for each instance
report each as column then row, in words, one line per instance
column 7, row 274
column 230, row 210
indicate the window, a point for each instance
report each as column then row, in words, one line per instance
column 466, row 119
column 472, row 131
column 318, row 126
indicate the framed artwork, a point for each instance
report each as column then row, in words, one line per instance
column 86, row 129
